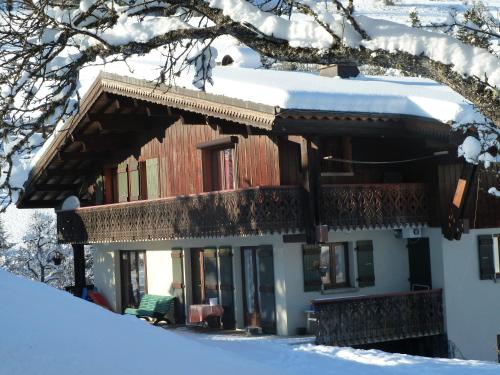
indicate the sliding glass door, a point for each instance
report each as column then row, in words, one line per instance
column 258, row 287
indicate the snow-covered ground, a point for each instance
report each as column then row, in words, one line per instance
column 46, row 331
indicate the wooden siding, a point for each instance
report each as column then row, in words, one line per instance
column 180, row 162
column 289, row 162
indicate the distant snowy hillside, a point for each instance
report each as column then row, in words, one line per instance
column 48, row 332
column 429, row 11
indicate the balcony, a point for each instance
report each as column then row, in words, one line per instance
column 379, row 318
column 241, row 212
column 359, row 206
column 245, row 212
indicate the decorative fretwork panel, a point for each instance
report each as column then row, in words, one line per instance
column 379, row 318
column 374, row 206
column 237, row 212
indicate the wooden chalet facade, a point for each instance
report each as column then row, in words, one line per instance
column 199, row 195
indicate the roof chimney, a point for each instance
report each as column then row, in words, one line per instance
column 344, row 70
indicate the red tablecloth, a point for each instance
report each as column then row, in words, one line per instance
column 199, row 313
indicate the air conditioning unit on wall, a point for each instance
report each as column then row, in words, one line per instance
column 412, row 232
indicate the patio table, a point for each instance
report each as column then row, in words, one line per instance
column 200, row 313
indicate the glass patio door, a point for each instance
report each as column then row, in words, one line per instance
column 133, row 277
column 258, row 287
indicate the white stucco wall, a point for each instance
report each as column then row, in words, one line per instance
column 472, row 305
column 159, row 272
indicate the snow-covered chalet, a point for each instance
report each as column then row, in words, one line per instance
column 289, row 197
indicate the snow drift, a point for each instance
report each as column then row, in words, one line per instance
column 46, row 331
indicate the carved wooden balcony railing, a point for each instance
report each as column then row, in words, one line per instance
column 237, row 212
column 374, row 206
column 378, row 318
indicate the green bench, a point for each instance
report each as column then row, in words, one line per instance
column 155, row 308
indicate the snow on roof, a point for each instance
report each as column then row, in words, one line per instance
column 242, row 56
column 309, row 91
column 364, row 94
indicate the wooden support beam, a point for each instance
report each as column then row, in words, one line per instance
column 225, row 142
column 127, row 122
column 82, row 156
column 192, row 118
column 455, row 225
column 41, row 204
column 100, row 142
column 73, row 172
column 238, row 129
column 309, row 159
column 57, row 187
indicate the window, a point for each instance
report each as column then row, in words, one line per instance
column 133, row 277
column 334, row 265
column 218, row 169
column 489, row 256
column 218, row 163
column 328, row 265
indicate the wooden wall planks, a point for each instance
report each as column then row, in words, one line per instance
column 180, row 162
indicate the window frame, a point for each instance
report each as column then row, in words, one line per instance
column 333, row 284
column 213, row 159
column 489, row 250
column 496, row 255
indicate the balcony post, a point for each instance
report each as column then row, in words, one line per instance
column 79, row 268
column 455, row 226
column 309, row 159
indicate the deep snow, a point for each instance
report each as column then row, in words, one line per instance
column 47, row 331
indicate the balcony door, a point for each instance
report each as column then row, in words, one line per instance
column 204, row 275
column 420, row 263
column 218, row 169
column 258, row 287
column 212, row 277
